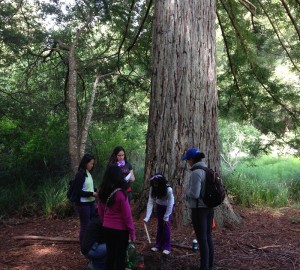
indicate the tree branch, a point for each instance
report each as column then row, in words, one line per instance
column 141, row 27
column 277, row 34
column 249, row 6
column 291, row 17
column 235, row 80
column 126, row 30
column 253, row 69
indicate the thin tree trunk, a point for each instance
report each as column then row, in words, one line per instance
column 89, row 113
column 74, row 138
column 88, row 118
column 72, row 105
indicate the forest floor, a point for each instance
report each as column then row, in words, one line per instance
column 267, row 239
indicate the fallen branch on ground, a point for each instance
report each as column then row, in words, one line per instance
column 72, row 240
column 264, row 247
column 37, row 237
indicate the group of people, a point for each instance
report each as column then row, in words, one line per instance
column 106, row 227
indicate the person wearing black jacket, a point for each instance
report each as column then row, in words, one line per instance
column 93, row 245
column 85, row 193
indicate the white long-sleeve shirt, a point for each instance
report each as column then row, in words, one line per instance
column 168, row 201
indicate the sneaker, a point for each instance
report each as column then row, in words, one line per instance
column 167, row 252
column 90, row 266
column 154, row 249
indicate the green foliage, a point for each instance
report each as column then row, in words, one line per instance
column 238, row 141
column 267, row 181
column 130, row 133
column 257, row 83
column 250, row 85
column 15, row 198
column 53, row 198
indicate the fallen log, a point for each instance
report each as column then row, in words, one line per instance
column 37, row 237
column 75, row 240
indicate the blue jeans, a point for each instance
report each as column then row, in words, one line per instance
column 97, row 255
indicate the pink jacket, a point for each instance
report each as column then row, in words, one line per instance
column 118, row 216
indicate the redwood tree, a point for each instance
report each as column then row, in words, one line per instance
column 183, row 105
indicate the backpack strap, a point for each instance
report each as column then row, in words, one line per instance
column 199, row 167
column 110, row 195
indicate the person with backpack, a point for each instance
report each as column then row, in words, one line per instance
column 115, row 213
column 202, row 216
column 163, row 194
column 85, row 193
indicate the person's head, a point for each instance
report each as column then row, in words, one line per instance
column 193, row 155
column 86, row 163
column 112, row 179
column 159, row 185
column 117, row 155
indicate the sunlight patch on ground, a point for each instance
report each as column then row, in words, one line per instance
column 42, row 251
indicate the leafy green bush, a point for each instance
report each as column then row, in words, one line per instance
column 17, row 199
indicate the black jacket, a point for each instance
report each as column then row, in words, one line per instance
column 79, row 181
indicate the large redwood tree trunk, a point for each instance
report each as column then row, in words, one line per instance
column 183, row 105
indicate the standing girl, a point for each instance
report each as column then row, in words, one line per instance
column 84, row 188
column 118, row 157
column 115, row 213
column 202, row 216
column 163, row 194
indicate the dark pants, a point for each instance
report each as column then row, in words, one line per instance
column 202, row 223
column 85, row 212
column 116, row 245
column 163, row 234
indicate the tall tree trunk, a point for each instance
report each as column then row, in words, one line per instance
column 72, row 105
column 183, row 105
column 76, row 147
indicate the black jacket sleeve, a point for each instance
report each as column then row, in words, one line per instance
column 79, row 181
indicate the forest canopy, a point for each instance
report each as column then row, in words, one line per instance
column 79, row 73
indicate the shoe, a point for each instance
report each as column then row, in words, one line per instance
column 90, row 266
column 154, row 249
column 167, row 252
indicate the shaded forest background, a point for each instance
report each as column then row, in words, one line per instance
column 107, row 45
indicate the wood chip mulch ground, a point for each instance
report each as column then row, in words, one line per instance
column 266, row 240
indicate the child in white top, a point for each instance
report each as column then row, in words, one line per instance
column 163, row 194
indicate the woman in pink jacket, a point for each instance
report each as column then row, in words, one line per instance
column 115, row 213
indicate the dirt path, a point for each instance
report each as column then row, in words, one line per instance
column 265, row 240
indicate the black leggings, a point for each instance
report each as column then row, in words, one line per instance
column 116, row 245
column 202, row 223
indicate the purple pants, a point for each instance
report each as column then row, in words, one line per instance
column 85, row 212
column 163, row 235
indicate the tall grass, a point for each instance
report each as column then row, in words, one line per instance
column 52, row 195
column 267, row 181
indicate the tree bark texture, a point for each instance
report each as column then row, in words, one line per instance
column 72, row 105
column 88, row 117
column 183, row 104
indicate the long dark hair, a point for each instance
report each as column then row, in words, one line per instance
column 159, row 186
column 84, row 161
column 112, row 179
column 113, row 157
